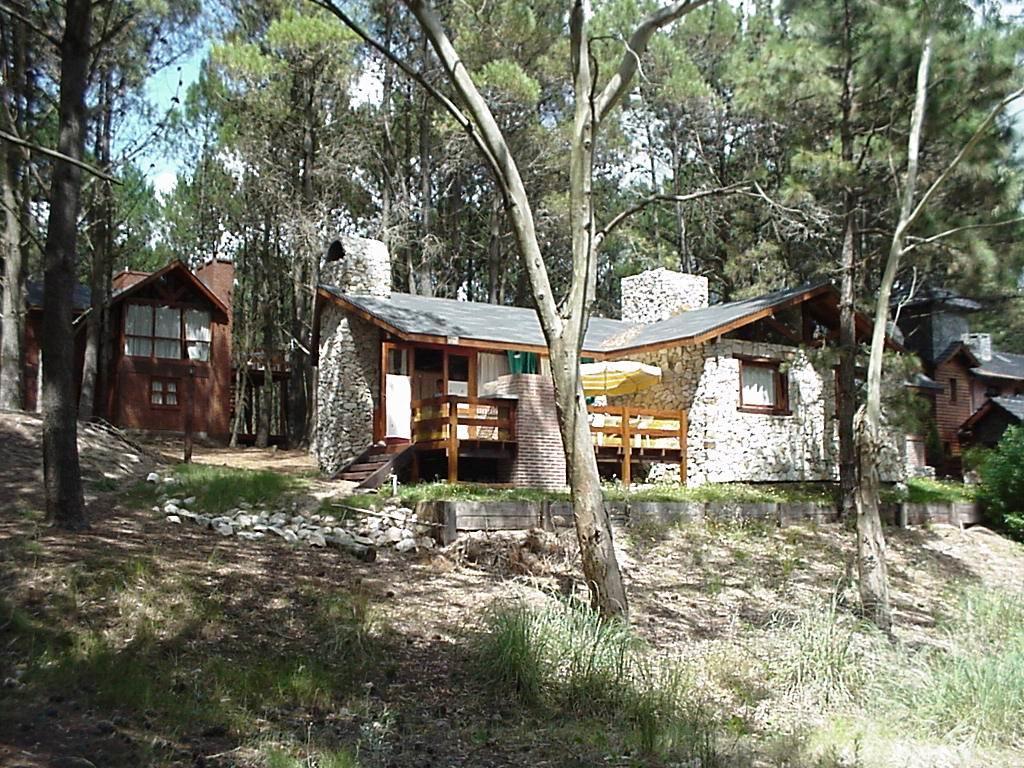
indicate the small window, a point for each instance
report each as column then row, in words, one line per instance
column 197, row 334
column 763, row 387
column 163, row 393
column 952, row 390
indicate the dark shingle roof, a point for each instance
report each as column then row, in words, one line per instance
column 469, row 319
column 81, row 298
column 1012, row 405
column 518, row 325
column 700, row 322
column 1003, row 365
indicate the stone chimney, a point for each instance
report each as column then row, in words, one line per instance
column 658, row 294
column 980, row 344
column 358, row 265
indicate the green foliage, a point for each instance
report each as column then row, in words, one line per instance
column 1002, row 482
column 562, row 658
column 218, row 489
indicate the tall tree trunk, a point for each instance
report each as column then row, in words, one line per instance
column 847, row 309
column 65, row 505
column 871, row 565
column 12, row 330
column 99, row 282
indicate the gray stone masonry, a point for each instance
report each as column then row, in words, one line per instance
column 658, row 294
column 349, row 375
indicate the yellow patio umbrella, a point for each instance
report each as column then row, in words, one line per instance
column 618, row 377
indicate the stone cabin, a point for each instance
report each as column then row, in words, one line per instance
column 430, row 387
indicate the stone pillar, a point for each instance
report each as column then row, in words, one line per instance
column 348, row 380
column 658, row 294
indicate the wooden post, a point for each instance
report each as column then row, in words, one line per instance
column 627, row 448
column 684, row 430
column 190, row 406
column 453, row 437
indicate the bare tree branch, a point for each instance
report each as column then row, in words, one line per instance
column 17, row 14
column 638, row 206
column 620, row 82
column 975, row 137
column 58, row 156
column 919, row 241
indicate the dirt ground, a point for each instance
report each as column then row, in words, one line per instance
column 691, row 588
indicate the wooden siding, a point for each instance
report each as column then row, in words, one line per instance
column 950, row 415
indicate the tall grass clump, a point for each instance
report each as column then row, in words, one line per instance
column 971, row 688
column 562, row 659
column 824, row 658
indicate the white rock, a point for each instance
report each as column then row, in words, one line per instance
column 204, row 521
column 278, row 518
column 173, row 519
column 189, row 501
column 316, row 540
column 297, row 520
column 152, row 477
column 289, row 535
column 405, row 545
column 394, row 534
column 170, row 480
column 171, row 509
column 249, row 535
column 224, row 529
column 424, row 542
column 174, row 502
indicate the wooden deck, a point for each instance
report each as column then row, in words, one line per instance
column 466, row 427
column 625, row 435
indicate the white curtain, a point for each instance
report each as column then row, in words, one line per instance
column 167, row 330
column 138, row 329
column 489, row 367
column 197, row 334
column 758, row 385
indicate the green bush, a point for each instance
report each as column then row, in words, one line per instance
column 1002, row 483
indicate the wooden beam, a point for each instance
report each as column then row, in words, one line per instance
column 453, row 442
column 684, row 431
column 627, row 450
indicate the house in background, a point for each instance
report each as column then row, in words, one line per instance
column 169, row 348
column 461, row 390
column 967, row 371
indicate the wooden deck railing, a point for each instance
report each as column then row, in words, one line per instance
column 641, row 433
column 443, row 422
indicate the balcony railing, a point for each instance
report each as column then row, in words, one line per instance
column 442, row 423
column 639, row 433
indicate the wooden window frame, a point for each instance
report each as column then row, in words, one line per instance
column 781, row 380
column 183, row 341
column 954, row 395
column 164, row 381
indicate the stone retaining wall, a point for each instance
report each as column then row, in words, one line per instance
column 454, row 517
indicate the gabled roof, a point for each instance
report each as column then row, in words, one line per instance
column 1003, row 365
column 941, row 297
column 411, row 316
column 1013, row 406
column 81, row 298
column 175, row 267
column 958, row 348
column 428, row 319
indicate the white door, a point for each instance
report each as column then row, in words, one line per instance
column 398, row 396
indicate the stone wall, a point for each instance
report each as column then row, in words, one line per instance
column 348, row 381
column 540, row 458
column 725, row 444
column 658, row 294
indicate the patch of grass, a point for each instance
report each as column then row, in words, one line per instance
column 410, row 494
column 140, row 495
column 218, row 489
column 926, row 490
column 564, row 661
column 971, row 688
column 279, row 757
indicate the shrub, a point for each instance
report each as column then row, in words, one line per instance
column 1002, row 482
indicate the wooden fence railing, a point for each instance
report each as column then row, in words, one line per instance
column 442, row 422
column 641, row 433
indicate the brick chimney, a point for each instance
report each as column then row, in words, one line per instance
column 219, row 276
column 658, row 294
